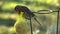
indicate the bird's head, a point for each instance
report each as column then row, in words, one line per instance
column 20, row 13
column 18, row 9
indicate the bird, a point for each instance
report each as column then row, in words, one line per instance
column 20, row 26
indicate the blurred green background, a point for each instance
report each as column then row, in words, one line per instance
column 8, row 15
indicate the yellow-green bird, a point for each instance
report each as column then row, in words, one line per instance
column 24, row 14
column 21, row 27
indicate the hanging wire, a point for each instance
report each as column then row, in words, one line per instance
column 57, row 21
column 31, row 26
column 58, row 17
